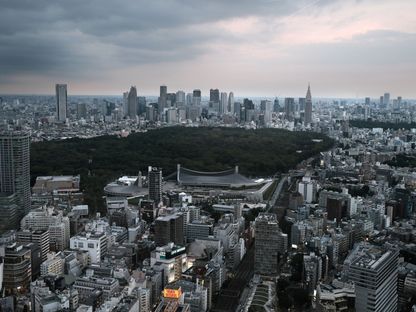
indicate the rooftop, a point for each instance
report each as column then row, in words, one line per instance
column 370, row 256
column 228, row 178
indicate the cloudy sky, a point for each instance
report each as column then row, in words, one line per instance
column 349, row 48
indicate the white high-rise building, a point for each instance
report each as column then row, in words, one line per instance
column 61, row 102
column 374, row 271
column 308, row 189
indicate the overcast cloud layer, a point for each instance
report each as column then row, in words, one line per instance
column 264, row 47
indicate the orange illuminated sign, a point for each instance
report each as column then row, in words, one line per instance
column 172, row 293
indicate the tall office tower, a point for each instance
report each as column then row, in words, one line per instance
column 308, row 107
column 399, row 100
column 266, row 107
column 15, row 168
column 196, row 97
column 155, row 184
column 169, row 229
column 132, row 102
column 276, row 105
column 1, row 266
column 266, row 244
column 17, row 269
column 367, row 101
column 125, row 104
column 373, row 269
column 381, row 101
column 189, row 99
column 39, row 237
column 247, row 111
column 61, row 102
column 141, row 105
column 214, row 95
column 150, row 113
column 386, row 99
column 290, row 109
column 170, row 100
column 223, row 103
column 180, row 99
column 230, row 108
column 81, row 110
column 163, row 98
column 302, row 102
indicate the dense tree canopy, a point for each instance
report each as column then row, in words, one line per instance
column 99, row 160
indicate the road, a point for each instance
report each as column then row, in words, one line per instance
column 229, row 296
column 277, row 192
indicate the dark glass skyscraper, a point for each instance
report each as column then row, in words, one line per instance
column 214, row 95
column 163, row 97
column 155, row 184
column 132, row 102
column 61, row 102
column 15, row 169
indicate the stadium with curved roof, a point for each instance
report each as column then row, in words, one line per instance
column 222, row 179
column 126, row 187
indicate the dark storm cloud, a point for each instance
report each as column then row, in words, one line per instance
column 43, row 36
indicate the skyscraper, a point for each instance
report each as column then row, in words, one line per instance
column 214, row 95
column 155, row 184
column 125, row 104
column 290, row 109
column 15, row 168
column 231, row 103
column 163, row 98
column 61, row 102
column 223, row 103
column 386, row 99
column 132, row 102
column 189, row 99
column 373, row 269
column 308, row 107
column 269, row 243
column 81, row 110
column 180, row 98
column 196, row 97
column 266, row 107
column 276, row 106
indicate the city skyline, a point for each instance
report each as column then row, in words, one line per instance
column 268, row 48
